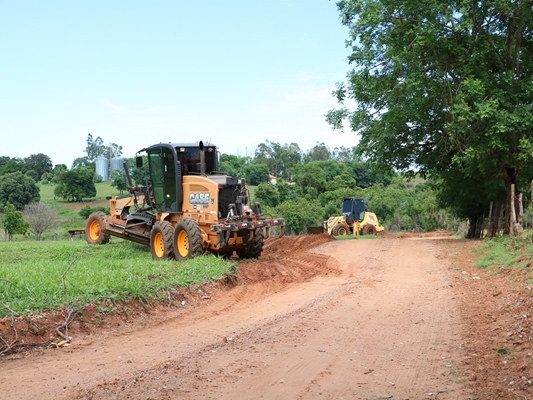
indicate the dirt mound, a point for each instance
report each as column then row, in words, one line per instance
column 294, row 243
column 287, row 260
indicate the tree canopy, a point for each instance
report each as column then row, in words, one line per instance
column 279, row 158
column 442, row 87
column 18, row 189
column 40, row 163
column 76, row 184
column 118, row 180
column 8, row 165
column 96, row 148
column 12, row 221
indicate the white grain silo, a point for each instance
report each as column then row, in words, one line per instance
column 116, row 163
column 102, row 168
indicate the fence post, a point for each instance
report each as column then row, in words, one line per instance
column 513, row 214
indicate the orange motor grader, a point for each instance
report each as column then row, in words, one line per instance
column 187, row 208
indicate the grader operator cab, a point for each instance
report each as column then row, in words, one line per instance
column 355, row 220
column 186, row 208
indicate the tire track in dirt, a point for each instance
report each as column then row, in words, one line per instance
column 197, row 371
column 285, row 261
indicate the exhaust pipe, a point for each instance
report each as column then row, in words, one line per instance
column 202, row 158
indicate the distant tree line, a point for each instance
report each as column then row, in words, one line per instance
column 304, row 187
column 20, row 209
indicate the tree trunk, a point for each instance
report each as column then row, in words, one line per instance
column 510, row 179
column 520, row 224
column 475, row 227
column 512, row 221
column 494, row 223
column 479, row 226
column 490, row 213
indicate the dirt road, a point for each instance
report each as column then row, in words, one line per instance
column 314, row 318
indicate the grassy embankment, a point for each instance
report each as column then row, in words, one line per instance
column 31, row 272
column 513, row 256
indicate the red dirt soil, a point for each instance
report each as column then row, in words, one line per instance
column 314, row 317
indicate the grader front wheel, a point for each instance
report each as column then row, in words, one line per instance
column 161, row 244
column 187, row 239
column 94, row 228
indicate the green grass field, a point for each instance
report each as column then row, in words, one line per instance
column 31, row 271
column 31, row 274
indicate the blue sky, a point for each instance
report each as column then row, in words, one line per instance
column 236, row 73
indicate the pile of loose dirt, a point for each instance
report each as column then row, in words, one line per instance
column 289, row 244
column 287, row 260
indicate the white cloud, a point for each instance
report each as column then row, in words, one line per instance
column 114, row 107
column 304, row 97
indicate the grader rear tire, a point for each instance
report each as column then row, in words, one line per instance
column 369, row 229
column 340, row 230
column 161, row 243
column 94, row 228
column 187, row 239
column 256, row 246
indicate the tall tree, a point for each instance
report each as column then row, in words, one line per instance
column 40, row 163
column 320, row 152
column 289, row 155
column 232, row 165
column 76, row 184
column 18, row 190
column 256, row 173
column 279, row 158
column 343, row 153
column 118, row 180
column 95, row 148
column 112, row 150
column 267, row 153
column 12, row 221
column 267, row 194
column 9, row 165
column 309, row 176
column 331, row 168
column 442, row 86
column 83, row 162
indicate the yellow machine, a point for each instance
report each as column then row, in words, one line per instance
column 355, row 220
column 186, row 209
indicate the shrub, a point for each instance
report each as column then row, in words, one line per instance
column 86, row 211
